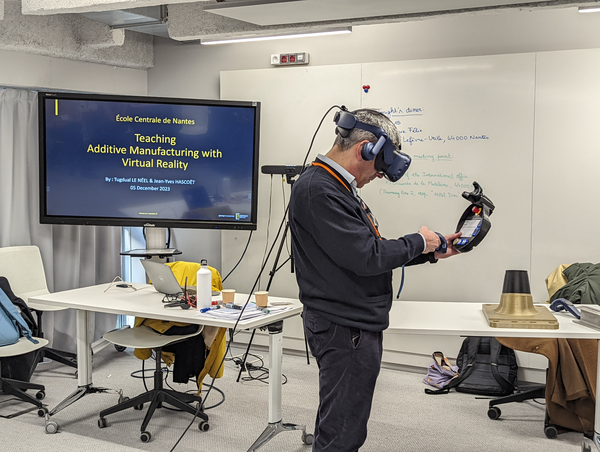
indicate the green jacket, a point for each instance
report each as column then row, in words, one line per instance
column 583, row 284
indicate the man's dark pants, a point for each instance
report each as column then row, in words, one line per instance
column 349, row 361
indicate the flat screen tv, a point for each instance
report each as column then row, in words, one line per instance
column 148, row 161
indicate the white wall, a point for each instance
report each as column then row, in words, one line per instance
column 25, row 70
column 37, row 72
column 193, row 71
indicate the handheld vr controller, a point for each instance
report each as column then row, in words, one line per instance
column 474, row 222
column 443, row 244
column 562, row 303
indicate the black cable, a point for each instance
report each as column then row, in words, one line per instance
column 240, row 260
column 287, row 248
column 265, row 257
column 312, row 141
column 262, row 268
column 263, row 377
column 283, row 263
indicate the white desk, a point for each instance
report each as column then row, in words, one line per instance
column 468, row 319
column 146, row 302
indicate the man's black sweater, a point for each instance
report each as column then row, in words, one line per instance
column 343, row 269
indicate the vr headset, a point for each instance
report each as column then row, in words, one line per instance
column 389, row 160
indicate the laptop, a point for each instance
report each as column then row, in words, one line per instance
column 163, row 279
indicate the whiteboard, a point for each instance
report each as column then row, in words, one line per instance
column 461, row 120
column 524, row 126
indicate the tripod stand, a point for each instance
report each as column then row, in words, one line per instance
column 290, row 180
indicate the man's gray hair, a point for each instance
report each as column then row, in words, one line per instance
column 373, row 118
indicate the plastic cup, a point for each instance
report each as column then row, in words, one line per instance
column 261, row 298
column 228, row 295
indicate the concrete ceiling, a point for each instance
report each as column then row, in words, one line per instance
column 302, row 11
column 121, row 32
column 183, row 20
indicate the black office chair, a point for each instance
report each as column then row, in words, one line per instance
column 17, row 388
column 536, row 392
column 530, row 392
column 145, row 337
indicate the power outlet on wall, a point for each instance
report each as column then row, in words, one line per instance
column 289, row 59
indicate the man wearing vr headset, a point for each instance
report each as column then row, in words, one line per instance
column 344, row 270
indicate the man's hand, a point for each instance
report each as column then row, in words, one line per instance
column 451, row 250
column 431, row 238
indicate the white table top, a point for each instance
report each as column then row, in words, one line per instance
column 147, row 302
column 468, row 319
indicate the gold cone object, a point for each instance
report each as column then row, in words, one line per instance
column 516, row 308
column 516, row 304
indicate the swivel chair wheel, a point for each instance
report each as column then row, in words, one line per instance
column 123, row 399
column 40, row 395
column 120, row 348
column 307, row 438
column 51, row 427
column 203, row 426
column 42, row 411
column 550, row 431
column 145, row 437
column 494, row 413
column 139, row 407
column 102, row 423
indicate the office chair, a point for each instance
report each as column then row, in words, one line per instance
column 569, row 391
column 142, row 338
column 537, row 392
column 17, row 388
column 146, row 337
column 24, row 269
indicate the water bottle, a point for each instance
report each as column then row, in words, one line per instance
column 203, row 286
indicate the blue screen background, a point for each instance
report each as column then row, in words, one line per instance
column 217, row 186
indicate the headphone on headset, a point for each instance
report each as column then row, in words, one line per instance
column 389, row 159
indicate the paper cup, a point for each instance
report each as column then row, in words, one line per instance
column 228, row 295
column 261, row 298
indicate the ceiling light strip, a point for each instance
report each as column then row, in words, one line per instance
column 308, row 34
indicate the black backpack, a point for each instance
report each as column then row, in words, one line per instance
column 20, row 367
column 486, row 367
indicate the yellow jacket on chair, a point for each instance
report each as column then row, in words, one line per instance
column 214, row 337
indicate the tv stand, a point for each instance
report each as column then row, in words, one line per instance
column 155, row 245
column 161, row 253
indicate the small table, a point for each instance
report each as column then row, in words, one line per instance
column 468, row 319
column 147, row 302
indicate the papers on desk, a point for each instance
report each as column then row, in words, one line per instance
column 250, row 312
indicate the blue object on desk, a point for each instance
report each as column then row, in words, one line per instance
column 209, row 309
column 562, row 303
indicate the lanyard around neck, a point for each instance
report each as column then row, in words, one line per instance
column 330, row 171
column 361, row 202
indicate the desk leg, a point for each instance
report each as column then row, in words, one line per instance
column 588, row 445
column 84, row 370
column 276, row 425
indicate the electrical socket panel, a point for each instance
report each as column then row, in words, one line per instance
column 289, row 59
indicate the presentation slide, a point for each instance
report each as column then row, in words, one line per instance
column 149, row 160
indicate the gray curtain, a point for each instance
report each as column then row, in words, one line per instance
column 74, row 256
